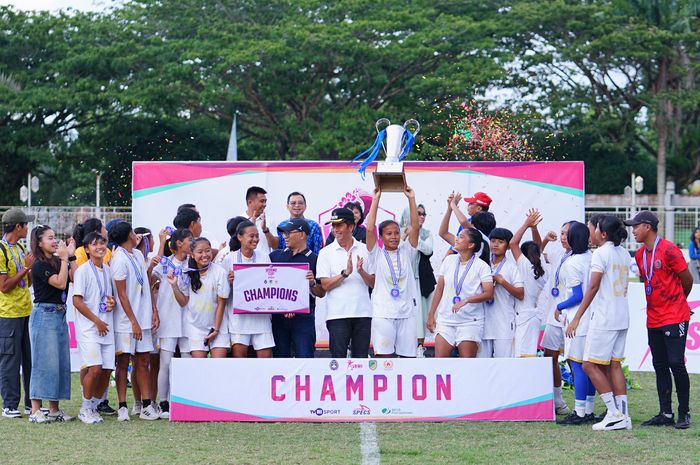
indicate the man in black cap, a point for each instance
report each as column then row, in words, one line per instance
column 15, row 307
column 667, row 284
column 346, row 282
column 295, row 334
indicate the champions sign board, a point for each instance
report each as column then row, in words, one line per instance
column 342, row 390
column 271, row 288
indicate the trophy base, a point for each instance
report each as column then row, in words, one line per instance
column 390, row 177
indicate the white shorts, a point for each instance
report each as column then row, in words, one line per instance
column 495, row 348
column 454, row 335
column 196, row 340
column 94, row 353
column 574, row 347
column 553, row 338
column 124, row 343
column 526, row 337
column 258, row 341
column 170, row 344
column 602, row 346
column 394, row 336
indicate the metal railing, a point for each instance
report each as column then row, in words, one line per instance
column 64, row 219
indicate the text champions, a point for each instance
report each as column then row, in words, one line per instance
column 359, row 387
column 265, row 293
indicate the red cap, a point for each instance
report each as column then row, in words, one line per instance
column 479, row 198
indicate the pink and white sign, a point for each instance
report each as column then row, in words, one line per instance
column 271, row 288
column 638, row 355
column 341, row 390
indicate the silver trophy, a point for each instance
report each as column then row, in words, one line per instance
column 398, row 141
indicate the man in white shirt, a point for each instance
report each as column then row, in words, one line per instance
column 256, row 201
column 340, row 268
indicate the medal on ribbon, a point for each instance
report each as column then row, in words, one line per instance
column 555, row 289
column 498, row 270
column 459, row 279
column 395, row 274
column 649, row 270
column 102, row 286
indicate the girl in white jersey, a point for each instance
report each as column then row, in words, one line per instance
column 464, row 284
column 528, row 317
column 172, row 308
column 248, row 329
column 93, row 299
column 575, row 279
column 605, row 343
column 553, row 338
column 208, row 291
column 499, row 325
column 394, row 299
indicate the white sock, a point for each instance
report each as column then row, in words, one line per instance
column 94, row 401
column 621, row 402
column 87, row 405
column 580, row 407
column 590, row 404
column 609, row 400
column 557, row 395
column 668, row 415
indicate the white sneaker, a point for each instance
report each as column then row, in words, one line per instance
column 86, row 416
column 59, row 415
column 123, row 414
column 27, row 410
column 612, row 421
column 136, row 409
column 96, row 415
column 420, row 352
column 156, row 407
column 629, row 422
column 149, row 413
column 11, row 413
column 38, row 417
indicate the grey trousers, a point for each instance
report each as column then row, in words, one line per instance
column 15, row 352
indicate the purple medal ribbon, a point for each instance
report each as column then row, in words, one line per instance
column 139, row 276
column 498, row 270
column 649, row 271
column 101, row 286
column 555, row 289
column 240, row 256
column 459, row 282
column 395, row 274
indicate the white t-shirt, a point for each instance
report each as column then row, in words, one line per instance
column 201, row 307
column 170, row 312
column 126, row 267
column 383, row 304
column 577, row 272
column 263, row 247
column 500, row 316
column 478, row 273
column 609, row 309
column 527, row 308
column 85, row 284
column 246, row 323
column 350, row 299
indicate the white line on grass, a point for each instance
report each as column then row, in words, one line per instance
column 369, row 443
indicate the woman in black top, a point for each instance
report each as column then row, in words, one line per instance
column 48, row 331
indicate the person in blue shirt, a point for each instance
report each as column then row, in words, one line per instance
column 296, row 205
column 694, row 253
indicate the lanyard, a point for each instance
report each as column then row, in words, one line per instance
column 16, row 259
column 561, row 262
column 139, row 276
column 395, row 274
column 239, row 256
column 500, row 265
column 460, row 282
column 101, row 285
column 649, row 271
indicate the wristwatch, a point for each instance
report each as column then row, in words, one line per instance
column 266, row 230
column 344, row 274
column 72, row 258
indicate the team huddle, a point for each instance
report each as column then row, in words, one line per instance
column 140, row 302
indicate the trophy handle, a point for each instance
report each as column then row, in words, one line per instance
column 408, row 124
column 382, row 123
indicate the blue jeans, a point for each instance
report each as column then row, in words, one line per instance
column 295, row 336
column 48, row 333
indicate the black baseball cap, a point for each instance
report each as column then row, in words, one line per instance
column 295, row 224
column 643, row 217
column 16, row 216
column 342, row 215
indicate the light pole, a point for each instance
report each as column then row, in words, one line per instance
column 98, row 175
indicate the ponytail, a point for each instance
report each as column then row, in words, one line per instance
column 532, row 253
column 235, row 243
column 171, row 243
column 613, row 228
column 232, row 228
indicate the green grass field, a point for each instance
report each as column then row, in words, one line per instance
column 161, row 442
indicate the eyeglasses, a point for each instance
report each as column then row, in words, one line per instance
column 422, row 214
column 288, row 233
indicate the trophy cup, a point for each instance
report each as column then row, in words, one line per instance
column 397, row 141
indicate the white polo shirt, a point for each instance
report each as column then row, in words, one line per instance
column 609, row 309
column 263, row 246
column 350, row 299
